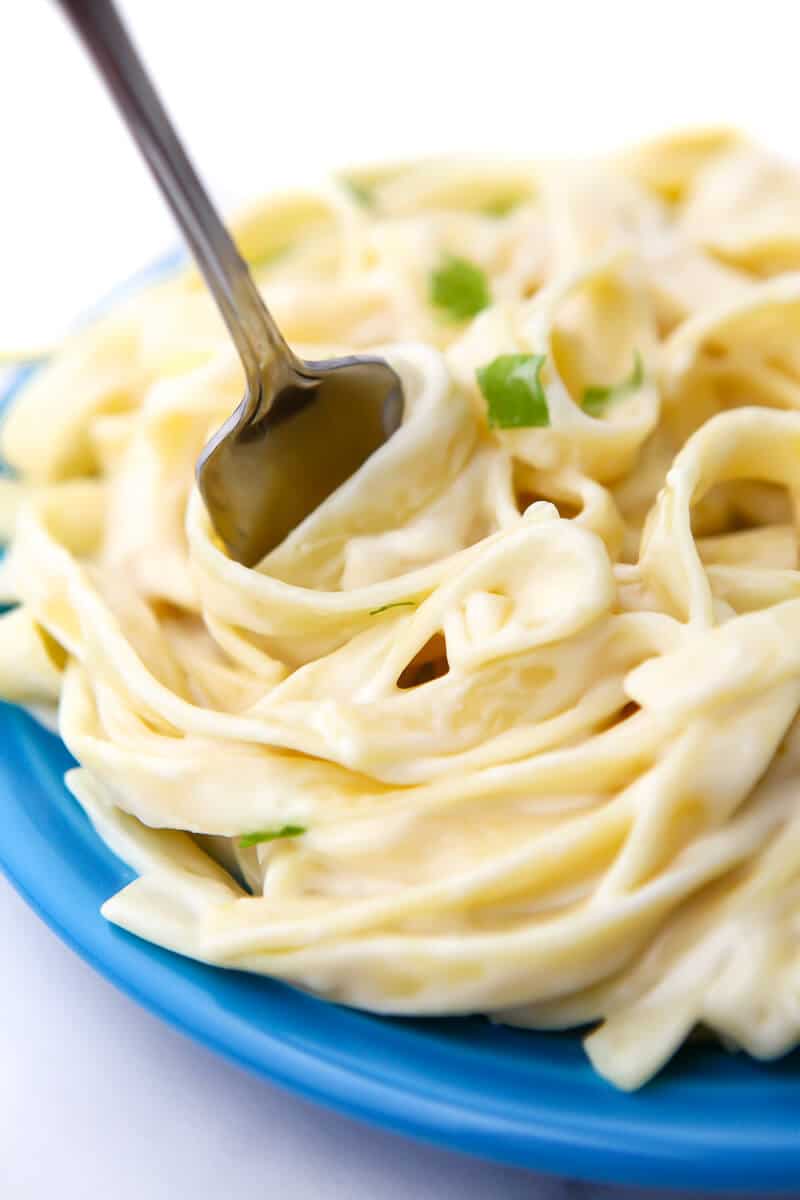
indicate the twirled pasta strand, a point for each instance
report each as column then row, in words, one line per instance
column 521, row 701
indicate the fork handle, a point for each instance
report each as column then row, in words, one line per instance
column 254, row 332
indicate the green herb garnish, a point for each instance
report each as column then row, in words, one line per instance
column 597, row 399
column 502, row 206
column 362, row 194
column 459, row 288
column 373, row 612
column 271, row 835
column 512, row 388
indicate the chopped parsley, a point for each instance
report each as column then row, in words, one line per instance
column 502, row 206
column 459, row 288
column 512, row 388
column 362, row 194
column 271, row 835
column 373, row 612
column 597, row 399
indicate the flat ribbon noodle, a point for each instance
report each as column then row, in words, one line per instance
column 512, row 718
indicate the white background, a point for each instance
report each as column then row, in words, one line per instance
column 97, row 1098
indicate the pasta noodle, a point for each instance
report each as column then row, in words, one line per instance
column 509, row 725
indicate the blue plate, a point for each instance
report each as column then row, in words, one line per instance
column 709, row 1121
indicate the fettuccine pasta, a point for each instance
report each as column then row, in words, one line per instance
column 509, row 725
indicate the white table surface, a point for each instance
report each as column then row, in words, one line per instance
column 97, row 1097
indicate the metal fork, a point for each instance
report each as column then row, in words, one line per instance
column 302, row 428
